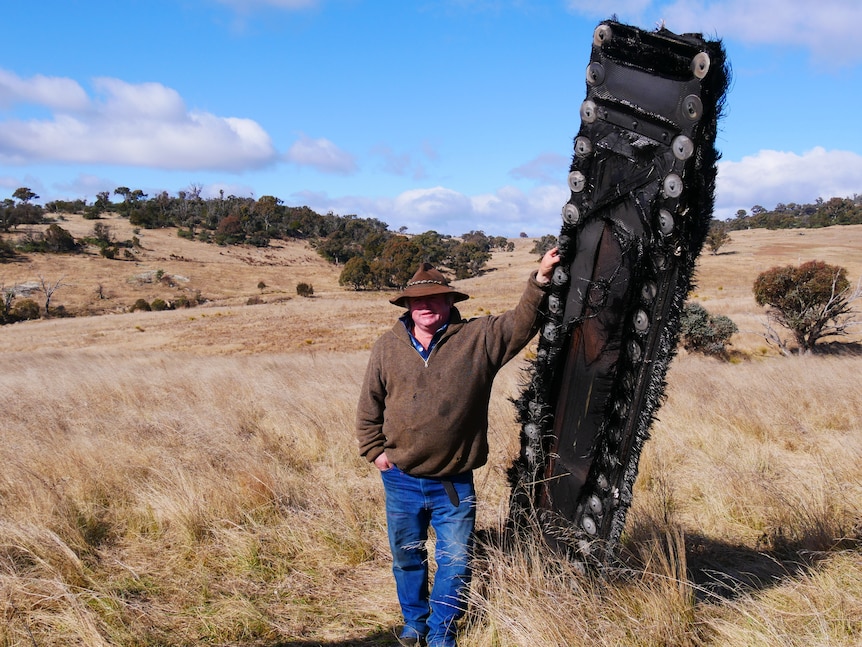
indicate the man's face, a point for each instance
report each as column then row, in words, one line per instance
column 430, row 312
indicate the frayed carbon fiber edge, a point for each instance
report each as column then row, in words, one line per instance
column 642, row 183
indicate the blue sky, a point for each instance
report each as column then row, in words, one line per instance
column 452, row 115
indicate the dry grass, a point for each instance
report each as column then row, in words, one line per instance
column 190, row 477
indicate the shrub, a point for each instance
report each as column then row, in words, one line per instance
column 54, row 239
column 159, row 304
column 7, row 250
column 141, row 304
column 304, row 289
column 704, row 333
column 254, row 300
column 26, row 309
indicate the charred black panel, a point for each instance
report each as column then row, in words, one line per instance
column 642, row 180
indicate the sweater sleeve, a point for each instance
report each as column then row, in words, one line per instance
column 369, row 411
column 512, row 330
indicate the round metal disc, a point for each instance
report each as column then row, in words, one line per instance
column 682, row 147
column 595, row 74
column 665, row 222
column 692, row 107
column 672, row 186
column 560, row 276
column 571, row 214
column 699, row 64
column 602, row 35
column 648, row 291
column 577, row 181
column 641, row 321
column 588, row 112
column 589, row 525
column 583, row 147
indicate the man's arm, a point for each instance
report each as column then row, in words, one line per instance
column 369, row 413
column 510, row 332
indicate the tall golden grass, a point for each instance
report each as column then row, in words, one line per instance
column 190, row 477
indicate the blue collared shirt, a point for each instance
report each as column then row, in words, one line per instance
column 424, row 352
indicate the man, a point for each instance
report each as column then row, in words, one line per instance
column 422, row 420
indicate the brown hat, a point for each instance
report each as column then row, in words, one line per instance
column 426, row 282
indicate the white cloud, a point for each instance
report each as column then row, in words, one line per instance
column 772, row 177
column 767, row 179
column 49, row 91
column 828, row 28
column 431, row 204
column 129, row 101
column 143, row 124
column 322, row 155
column 507, row 212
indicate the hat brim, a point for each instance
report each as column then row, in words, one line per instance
column 401, row 299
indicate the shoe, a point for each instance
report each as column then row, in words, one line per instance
column 409, row 638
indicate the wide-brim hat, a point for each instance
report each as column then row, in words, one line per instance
column 426, row 282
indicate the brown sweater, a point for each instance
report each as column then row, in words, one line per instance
column 431, row 418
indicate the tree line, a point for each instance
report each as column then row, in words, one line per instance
column 820, row 213
column 372, row 256
column 813, row 300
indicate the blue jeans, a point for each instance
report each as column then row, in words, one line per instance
column 412, row 504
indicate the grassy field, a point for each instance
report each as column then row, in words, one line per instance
column 190, row 477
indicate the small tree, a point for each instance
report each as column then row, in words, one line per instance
column 58, row 240
column 356, row 273
column 717, row 237
column 705, row 333
column 543, row 244
column 812, row 300
column 48, row 289
column 24, row 194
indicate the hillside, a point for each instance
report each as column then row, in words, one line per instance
column 334, row 318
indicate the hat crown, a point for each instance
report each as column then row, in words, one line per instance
column 427, row 281
column 428, row 274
